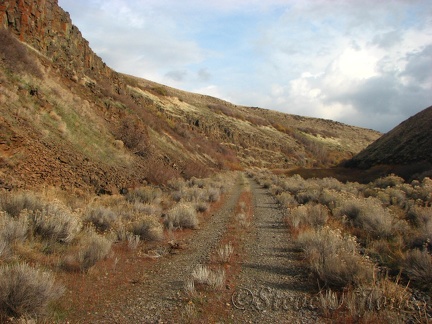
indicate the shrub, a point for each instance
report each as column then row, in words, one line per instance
column 418, row 266
column 146, row 195
column 388, row 181
column 419, row 216
column 213, row 194
column 147, row 228
column 14, row 203
column 310, row 215
column 55, row 224
column 15, row 55
column 102, row 218
column 333, row 258
column 367, row 214
column 286, row 199
column 308, row 195
column 12, row 229
column 93, row 248
column 147, row 209
column 182, row 215
column 134, row 134
column 201, row 206
column 26, row 291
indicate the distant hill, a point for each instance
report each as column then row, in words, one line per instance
column 407, row 148
column 68, row 120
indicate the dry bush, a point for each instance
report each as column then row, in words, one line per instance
column 367, row 214
column 93, row 248
column 388, row 181
column 101, row 218
column 333, row 258
column 176, row 184
column 224, row 253
column 201, row 206
column 286, row 199
column 26, row 291
column 419, row 216
column 15, row 56
column 418, row 266
column 294, row 184
column 213, row 194
column 14, row 203
column 183, row 216
column 383, row 301
column 145, row 195
column 134, row 134
column 421, row 220
column 147, row 209
column 147, row 228
column 310, row 215
column 13, row 229
column 308, row 195
column 55, row 224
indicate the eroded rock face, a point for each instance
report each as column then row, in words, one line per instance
column 46, row 27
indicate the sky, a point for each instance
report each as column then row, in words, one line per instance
column 366, row 63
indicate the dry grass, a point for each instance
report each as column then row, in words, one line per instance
column 204, row 276
column 224, row 253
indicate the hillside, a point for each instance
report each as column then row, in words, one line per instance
column 70, row 121
column 407, row 148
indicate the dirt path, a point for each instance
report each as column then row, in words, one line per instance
column 272, row 286
column 158, row 295
column 269, row 286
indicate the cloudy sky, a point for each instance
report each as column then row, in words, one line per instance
column 366, row 63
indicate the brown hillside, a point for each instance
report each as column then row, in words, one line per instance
column 70, row 121
column 408, row 147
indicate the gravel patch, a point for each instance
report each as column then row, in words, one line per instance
column 273, row 286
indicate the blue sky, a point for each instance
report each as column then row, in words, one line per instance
column 365, row 63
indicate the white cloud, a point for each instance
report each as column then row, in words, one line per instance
column 365, row 63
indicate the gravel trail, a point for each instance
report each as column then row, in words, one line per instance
column 272, row 286
column 157, row 298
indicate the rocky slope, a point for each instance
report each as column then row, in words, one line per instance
column 408, row 146
column 70, row 121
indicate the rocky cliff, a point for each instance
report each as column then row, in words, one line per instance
column 47, row 28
